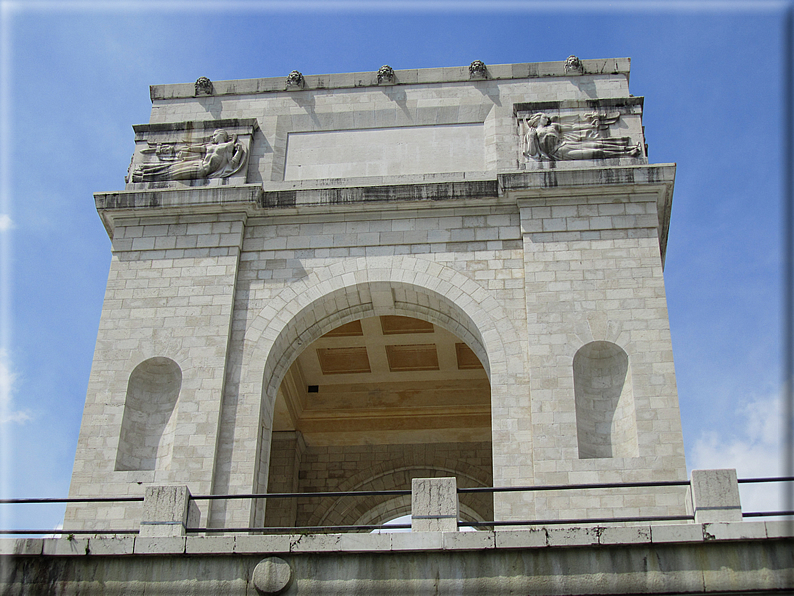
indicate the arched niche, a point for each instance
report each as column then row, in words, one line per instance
column 147, row 428
column 606, row 421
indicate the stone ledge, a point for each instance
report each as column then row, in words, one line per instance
column 531, row 538
column 159, row 546
column 180, row 201
column 194, row 124
column 535, row 188
column 21, row 546
column 424, row 192
column 706, row 567
column 415, row 76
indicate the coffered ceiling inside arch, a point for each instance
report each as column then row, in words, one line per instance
column 387, row 379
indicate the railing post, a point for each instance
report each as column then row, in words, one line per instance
column 434, row 505
column 714, row 496
column 167, row 511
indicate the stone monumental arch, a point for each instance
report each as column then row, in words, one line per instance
column 443, row 283
column 344, row 282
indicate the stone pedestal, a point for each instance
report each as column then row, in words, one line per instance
column 166, row 511
column 714, row 496
column 434, row 505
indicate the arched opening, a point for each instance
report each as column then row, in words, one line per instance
column 146, row 440
column 370, row 405
column 606, row 421
column 328, row 298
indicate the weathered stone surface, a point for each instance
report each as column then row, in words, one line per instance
column 715, row 496
column 677, row 533
column 21, row 546
column 66, row 546
column 402, row 200
column 165, row 511
column 434, row 505
column 111, row 545
column 272, row 575
column 715, row 566
column 159, row 546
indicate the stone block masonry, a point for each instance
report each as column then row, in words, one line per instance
column 261, row 218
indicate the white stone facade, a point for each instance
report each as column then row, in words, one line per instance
column 550, row 271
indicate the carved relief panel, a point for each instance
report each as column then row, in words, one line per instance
column 553, row 133
column 208, row 153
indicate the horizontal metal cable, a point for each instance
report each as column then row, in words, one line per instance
column 775, row 479
column 69, row 531
column 600, row 520
column 358, row 493
column 766, row 513
column 540, row 487
column 303, row 529
column 74, row 500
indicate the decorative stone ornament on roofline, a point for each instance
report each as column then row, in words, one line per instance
column 295, row 81
column 203, row 86
column 386, row 75
column 477, row 70
column 573, row 65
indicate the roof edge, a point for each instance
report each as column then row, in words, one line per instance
column 417, row 76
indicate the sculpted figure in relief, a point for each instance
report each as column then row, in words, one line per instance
column 547, row 139
column 219, row 158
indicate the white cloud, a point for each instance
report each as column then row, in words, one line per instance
column 754, row 449
column 5, row 222
column 7, row 379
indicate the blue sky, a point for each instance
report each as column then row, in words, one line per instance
column 75, row 79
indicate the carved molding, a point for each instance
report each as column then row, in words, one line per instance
column 295, row 80
column 204, row 86
column 386, row 75
column 478, row 70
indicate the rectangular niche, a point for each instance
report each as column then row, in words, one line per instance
column 385, row 151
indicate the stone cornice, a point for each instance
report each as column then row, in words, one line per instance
column 550, row 185
column 416, row 76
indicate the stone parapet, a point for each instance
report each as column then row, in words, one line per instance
column 712, row 558
column 414, row 76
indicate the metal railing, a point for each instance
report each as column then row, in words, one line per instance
column 394, row 493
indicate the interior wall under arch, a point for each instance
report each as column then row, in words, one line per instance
column 398, row 473
column 146, row 439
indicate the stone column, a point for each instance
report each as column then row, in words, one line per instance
column 434, row 505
